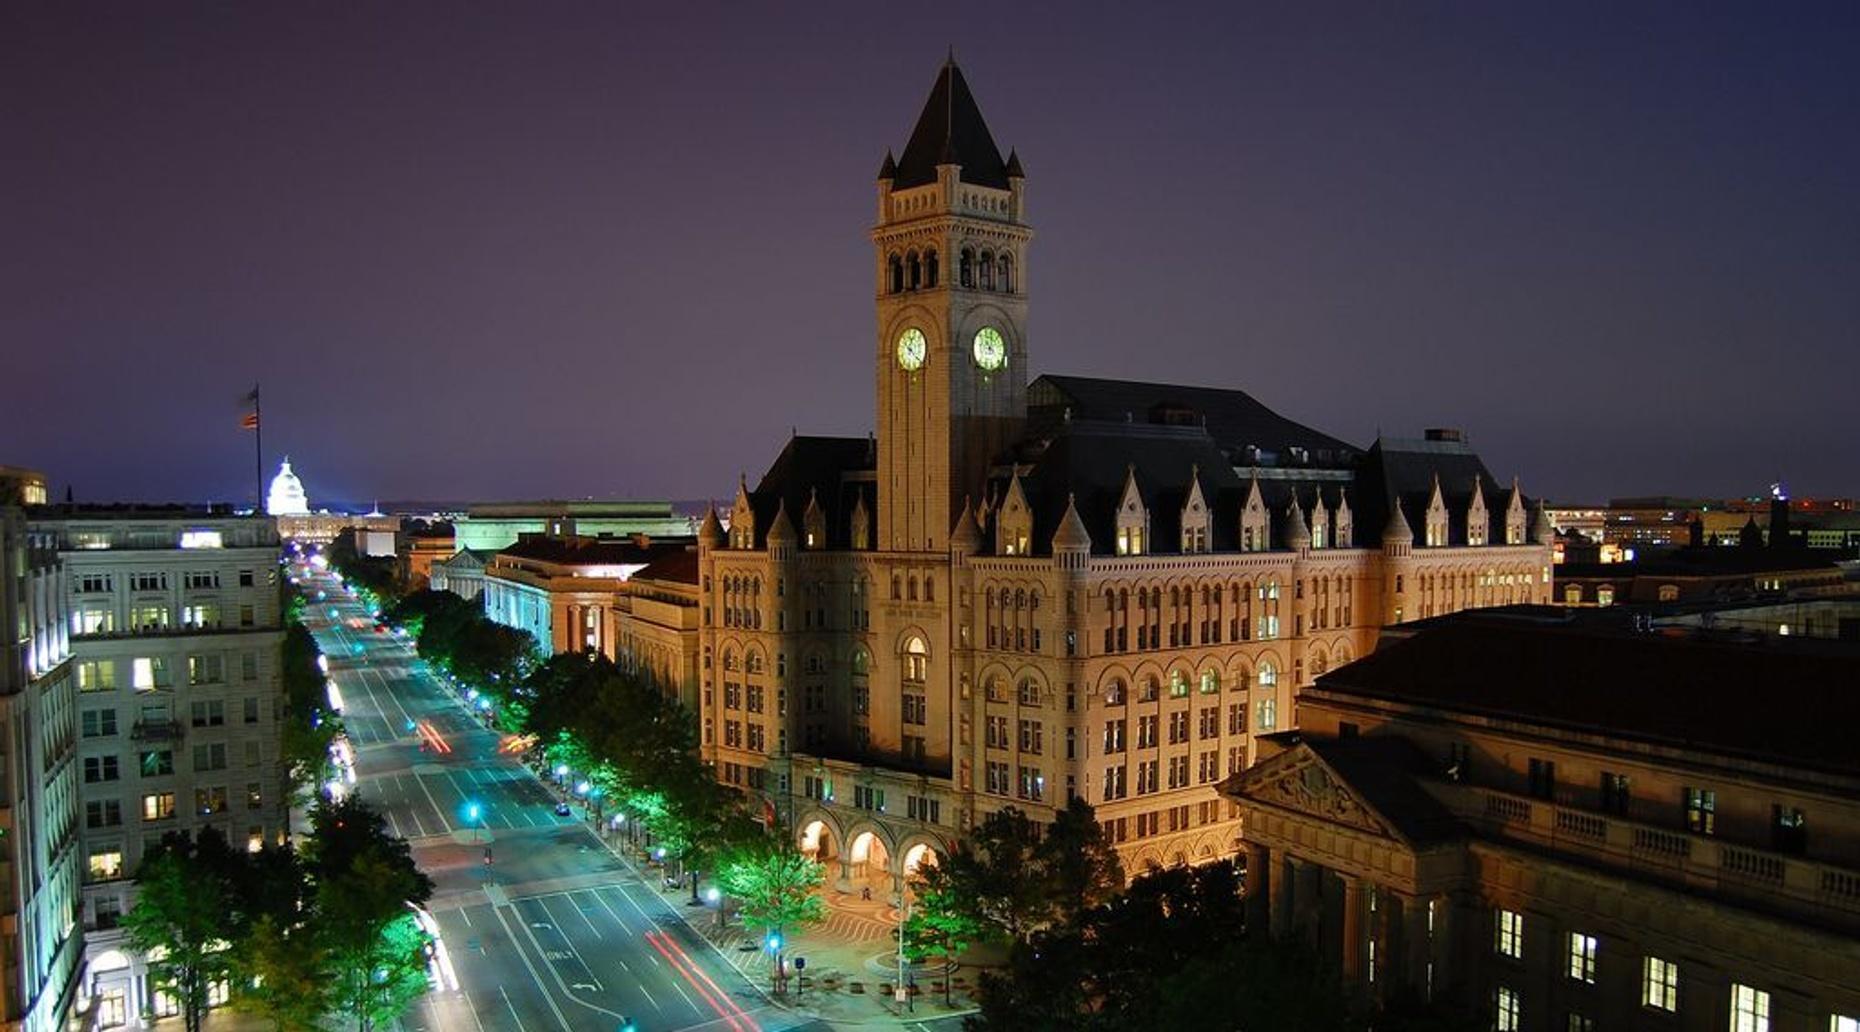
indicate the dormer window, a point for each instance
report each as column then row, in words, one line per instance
column 1133, row 518
column 1014, row 524
column 1196, row 520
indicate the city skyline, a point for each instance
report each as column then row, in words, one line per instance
column 482, row 259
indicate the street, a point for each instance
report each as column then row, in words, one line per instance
column 554, row 932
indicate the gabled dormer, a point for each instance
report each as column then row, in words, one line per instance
column 1133, row 517
column 1434, row 521
column 742, row 518
column 861, row 530
column 1255, row 523
column 1320, row 523
column 1343, row 523
column 1514, row 514
column 813, row 523
column 1197, row 520
column 1014, row 521
column 1478, row 517
column 1297, row 534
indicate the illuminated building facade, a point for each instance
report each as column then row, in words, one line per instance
column 175, row 626
column 1562, row 822
column 39, row 848
column 1020, row 590
column 563, row 591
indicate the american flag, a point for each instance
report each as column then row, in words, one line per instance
column 249, row 421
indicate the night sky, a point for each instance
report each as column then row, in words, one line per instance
column 528, row 250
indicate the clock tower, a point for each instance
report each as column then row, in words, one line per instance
column 951, row 248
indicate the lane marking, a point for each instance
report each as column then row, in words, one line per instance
column 513, row 1007
column 534, row 974
column 719, row 1006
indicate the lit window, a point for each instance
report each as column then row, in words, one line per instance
column 1509, row 940
column 1505, row 1010
column 202, row 539
column 1841, row 1023
column 106, row 865
column 1750, row 1009
column 1582, row 957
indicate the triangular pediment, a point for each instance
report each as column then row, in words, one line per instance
column 1299, row 780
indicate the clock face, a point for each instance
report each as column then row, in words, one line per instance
column 990, row 349
column 911, row 348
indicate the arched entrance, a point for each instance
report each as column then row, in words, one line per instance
column 919, row 856
column 816, row 841
column 869, row 863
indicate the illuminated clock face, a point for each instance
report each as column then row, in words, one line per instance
column 911, row 348
column 990, row 349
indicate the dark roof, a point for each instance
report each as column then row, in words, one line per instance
column 1396, row 471
column 821, row 467
column 1233, row 418
column 680, row 567
column 1691, row 689
column 1382, row 771
column 1708, row 561
column 951, row 130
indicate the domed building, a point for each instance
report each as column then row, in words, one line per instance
column 287, row 497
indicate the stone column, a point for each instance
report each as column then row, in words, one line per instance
column 1258, row 886
column 1279, row 884
column 1308, row 899
column 1353, row 935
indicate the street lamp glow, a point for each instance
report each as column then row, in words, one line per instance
column 774, row 941
column 473, row 811
column 713, row 894
column 582, row 788
column 561, row 770
column 659, row 853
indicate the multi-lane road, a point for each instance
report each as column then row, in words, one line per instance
column 554, row 933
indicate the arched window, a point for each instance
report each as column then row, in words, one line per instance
column 1210, row 682
column 910, row 590
column 754, row 663
column 1268, row 675
column 988, row 270
column 861, row 662
column 1114, row 693
column 965, row 266
column 930, row 268
column 729, row 659
column 897, row 274
column 915, row 270
column 1178, row 684
column 916, row 660
column 929, row 590
column 1005, row 275
column 897, row 587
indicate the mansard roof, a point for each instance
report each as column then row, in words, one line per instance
column 1595, row 674
column 1397, row 471
column 1233, row 418
column 951, row 131
column 828, row 470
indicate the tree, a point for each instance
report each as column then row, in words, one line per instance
column 180, row 915
column 283, row 974
column 995, row 874
column 1080, row 866
column 376, row 949
column 774, row 885
column 941, row 925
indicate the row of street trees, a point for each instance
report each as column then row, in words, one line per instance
column 632, row 744
column 292, row 937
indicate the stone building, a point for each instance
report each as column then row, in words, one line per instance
column 1020, row 589
column 1566, row 821
column 566, row 591
column 40, row 941
column 175, row 625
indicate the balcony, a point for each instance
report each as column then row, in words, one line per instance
column 1805, row 887
column 155, row 731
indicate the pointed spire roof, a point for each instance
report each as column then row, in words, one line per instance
column 710, row 532
column 889, row 170
column 951, row 131
column 781, row 528
column 968, row 534
column 1013, row 165
column 1545, row 533
column 1071, row 535
column 1297, row 533
column 1397, row 531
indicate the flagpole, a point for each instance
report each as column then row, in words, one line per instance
column 258, row 454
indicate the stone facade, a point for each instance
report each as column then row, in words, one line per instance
column 1021, row 591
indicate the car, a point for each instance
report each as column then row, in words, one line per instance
column 380, row 628
column 563, row 810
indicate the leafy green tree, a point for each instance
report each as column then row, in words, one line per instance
column 180, row 913
column 376, row 949
column 307, row 731
column 995, row 873
column 1078, row 864
column 282, row 974
column 773, row 883
column 941, row 925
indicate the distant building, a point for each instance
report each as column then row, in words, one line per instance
column 1693, row 575
column 1565, row 824
column 562, row 590
column 462, row 573
column 492, row 526
column 39, row 886
column 286, row 497
column 655, row 624
column 419, row 546
column 175, row 627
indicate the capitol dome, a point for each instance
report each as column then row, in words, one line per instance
column 287, row 493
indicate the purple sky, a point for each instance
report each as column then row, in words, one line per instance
column 517, row 250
